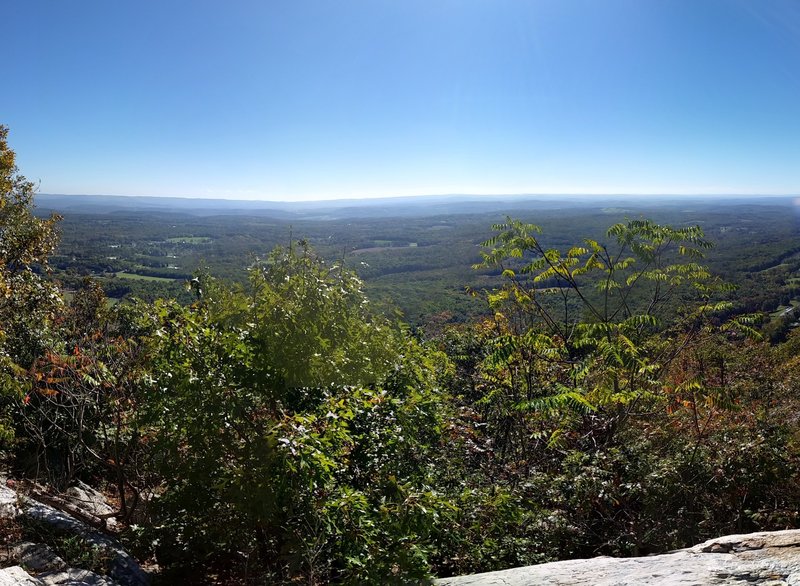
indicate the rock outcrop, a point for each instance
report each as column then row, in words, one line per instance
column 16, row 576
column 39, row 559
column 765, row 559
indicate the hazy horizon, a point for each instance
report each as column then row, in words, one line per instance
column 471, row 196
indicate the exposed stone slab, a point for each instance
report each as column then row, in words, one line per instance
column 37, row 557
column 75, row 577
column 16, row 576
column 9, row 501
column 92, row 501
column 123, row 568
column 765, row 559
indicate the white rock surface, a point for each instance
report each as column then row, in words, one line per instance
column 123, row 568
column 8, row 502
column 37, row 557
column 764, row 559
column 16, row 576
column 75, row 577
column 92, row 501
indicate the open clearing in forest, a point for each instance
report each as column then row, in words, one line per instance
column 135, row 277
column 189, row 240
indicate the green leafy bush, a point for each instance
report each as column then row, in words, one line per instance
column 291, row 427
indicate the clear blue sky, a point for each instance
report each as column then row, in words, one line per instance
column 296, row 99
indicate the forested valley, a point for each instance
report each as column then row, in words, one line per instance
column 377, row 398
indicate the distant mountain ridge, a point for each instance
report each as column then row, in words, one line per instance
column 424, row 205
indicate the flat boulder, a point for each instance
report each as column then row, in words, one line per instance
column 16, row 576
column 92, row 502
column 9, row 502
column 765, row 559
column 37, row 557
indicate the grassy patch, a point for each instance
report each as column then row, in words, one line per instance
column 784, row 309
column 778, row 266
column 189, row 240
column 135, row 277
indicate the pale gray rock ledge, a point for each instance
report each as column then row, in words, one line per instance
column 765, row 559
column 49, row 568
column 16, row 576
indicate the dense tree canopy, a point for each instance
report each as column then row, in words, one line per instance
column 28, row 301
